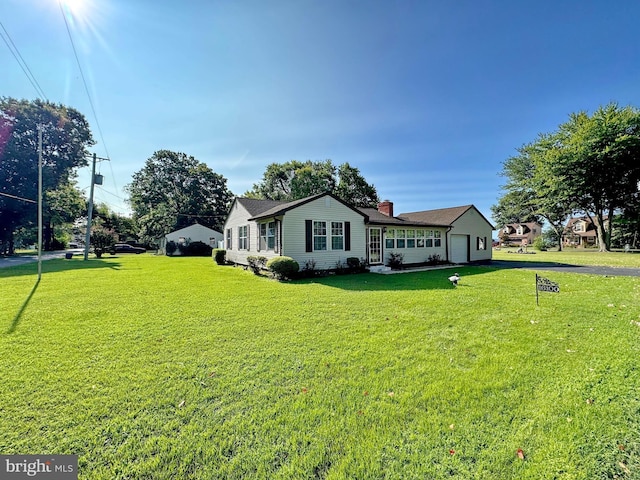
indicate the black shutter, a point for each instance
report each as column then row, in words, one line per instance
column 347, row 236
column 308, row 231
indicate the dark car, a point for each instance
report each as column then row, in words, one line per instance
column 125, row 248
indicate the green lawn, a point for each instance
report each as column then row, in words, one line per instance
column 571, row 256
column 155, row 368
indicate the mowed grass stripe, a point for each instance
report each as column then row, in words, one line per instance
column 156, row 367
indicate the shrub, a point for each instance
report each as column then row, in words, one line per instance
column 256, row 264
column 356, row 264
column 171, row 247
column 197, row 249
column 434, row 259
column 283, row 267
column 395, row 261
column 539, row 244
column 219, row 255
column 340, row 268
column 309, row 269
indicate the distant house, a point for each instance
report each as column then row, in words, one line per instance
column 520, row 233
column 192, row 233
column 324, row 230
column 580, row 232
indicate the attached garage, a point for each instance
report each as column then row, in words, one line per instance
column 459, row 248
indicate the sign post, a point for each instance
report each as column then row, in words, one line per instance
column 545, row 285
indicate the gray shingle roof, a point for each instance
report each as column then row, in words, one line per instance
column 441, row 216
column 257, row 206
column 377, row 218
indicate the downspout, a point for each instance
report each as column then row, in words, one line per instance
column 446, row 242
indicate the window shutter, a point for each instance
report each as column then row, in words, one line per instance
column 308, row 227
column 248, row 237
column 347, row 236
column 258, row 234
column 276, row 239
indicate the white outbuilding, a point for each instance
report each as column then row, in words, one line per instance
column 193, row 233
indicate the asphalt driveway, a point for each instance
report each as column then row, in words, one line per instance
column 563, row 267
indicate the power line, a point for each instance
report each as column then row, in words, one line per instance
column 84, row 81
column 23, row 64
column 17, row 198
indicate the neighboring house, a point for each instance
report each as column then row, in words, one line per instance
column 520, row 233
column 326, row 230
column 193, row 233
column 581, row 232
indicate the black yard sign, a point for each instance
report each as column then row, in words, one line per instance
column 545, row 285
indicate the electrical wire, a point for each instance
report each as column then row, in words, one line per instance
column 84, row 81
column 23, row 64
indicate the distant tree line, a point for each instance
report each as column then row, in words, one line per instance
column 589, row 166
column 171, row 191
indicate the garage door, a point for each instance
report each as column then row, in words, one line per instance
column 459, row 248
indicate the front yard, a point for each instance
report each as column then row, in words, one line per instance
column 157, row 367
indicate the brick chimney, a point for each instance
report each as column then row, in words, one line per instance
column 386, row 208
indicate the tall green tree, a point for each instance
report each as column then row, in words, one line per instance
column 354, row 189
column 589, row 165
column 174, row 190
column 598, row 163
column 293, row 180
column 65, row 139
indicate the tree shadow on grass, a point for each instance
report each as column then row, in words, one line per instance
column 407, row 280
column 57, row 265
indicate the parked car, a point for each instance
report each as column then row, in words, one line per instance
column 125, row 248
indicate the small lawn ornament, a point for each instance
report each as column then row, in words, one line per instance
column 455, row 278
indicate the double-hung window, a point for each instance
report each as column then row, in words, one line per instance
column 268, row 236
column 243, row 243
column 400, row 238
column 337, row 236
column 319, row 235
column 437, row 240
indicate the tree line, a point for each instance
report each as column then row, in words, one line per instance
column 590, row 165
column 171, row 191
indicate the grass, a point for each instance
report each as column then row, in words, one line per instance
column 156, row 368
column 572, row 256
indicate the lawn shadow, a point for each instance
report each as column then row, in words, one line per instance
column 407, row 280
column 16, row 319
column 57, row 265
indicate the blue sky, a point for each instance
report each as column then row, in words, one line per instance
column 426, row 98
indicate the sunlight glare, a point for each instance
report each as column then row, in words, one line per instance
column 74, row 7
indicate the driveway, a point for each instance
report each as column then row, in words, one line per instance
column 23, row 259
column 563, row 267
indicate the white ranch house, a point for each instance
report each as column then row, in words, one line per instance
column 327, row 230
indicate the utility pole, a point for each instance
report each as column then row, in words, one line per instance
column 39, row 202
column 87, row 238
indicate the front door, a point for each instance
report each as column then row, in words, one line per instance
column 375, row 245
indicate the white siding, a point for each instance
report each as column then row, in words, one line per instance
column 329, row 210
column 473, row 224
column 196, row 233
column 416, row 254
column 239, row 216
